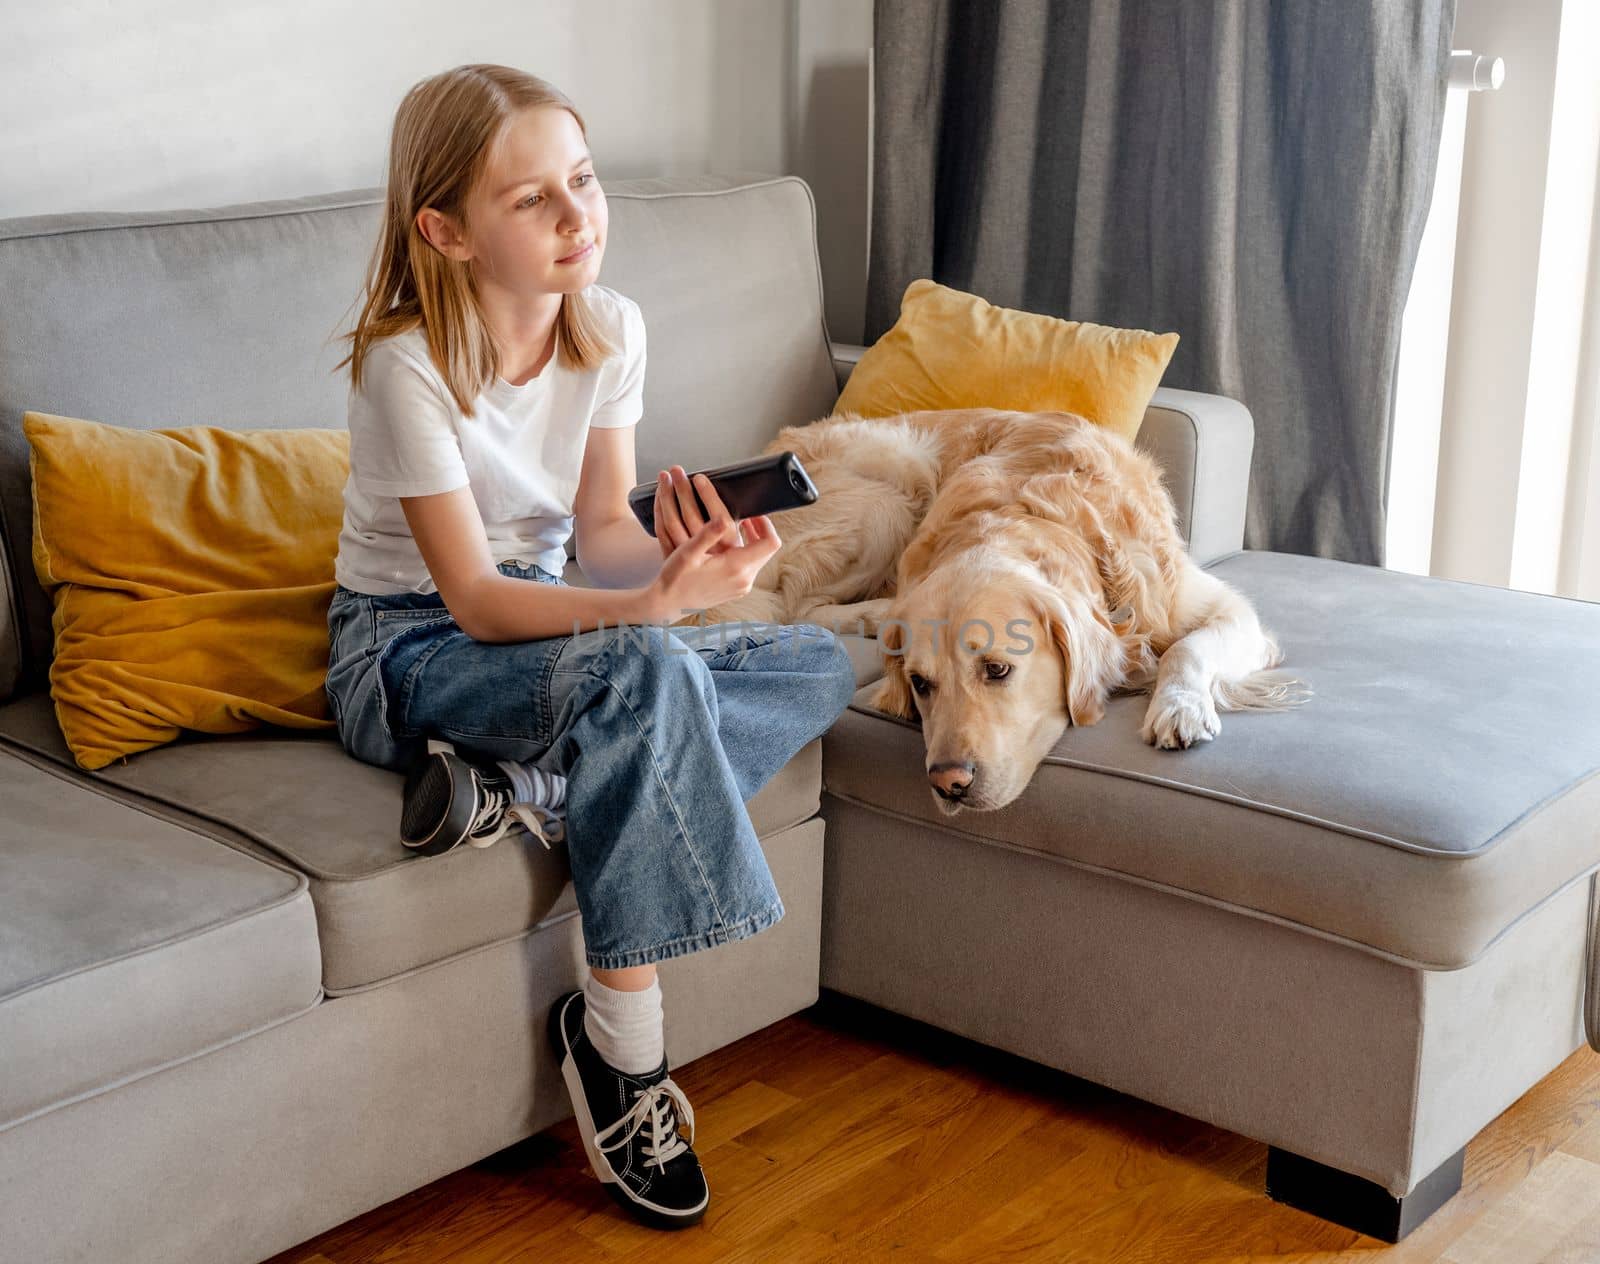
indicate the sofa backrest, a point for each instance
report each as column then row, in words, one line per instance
column 231, row 316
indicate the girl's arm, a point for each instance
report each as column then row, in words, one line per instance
column 613, row 549
column 489, row 606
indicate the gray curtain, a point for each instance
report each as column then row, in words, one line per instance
column 1253, row 174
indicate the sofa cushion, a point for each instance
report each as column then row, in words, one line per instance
column 190, row 570
column 381, row 910
column 950, row 349
column 865, row 656
column 128, row 942
column 1439, row 785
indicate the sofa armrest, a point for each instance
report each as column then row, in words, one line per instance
column 845, row 357
column 1203, row 444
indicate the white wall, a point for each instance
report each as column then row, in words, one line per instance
column 156, row 104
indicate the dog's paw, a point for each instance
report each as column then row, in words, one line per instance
column 1179, row 716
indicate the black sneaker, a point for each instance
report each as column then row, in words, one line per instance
column 629, row 1127
column 448, row 800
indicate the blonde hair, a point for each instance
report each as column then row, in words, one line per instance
column 444, row 130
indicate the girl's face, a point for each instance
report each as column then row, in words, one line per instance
column 537, row 206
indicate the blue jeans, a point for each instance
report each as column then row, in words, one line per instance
column 663, row 735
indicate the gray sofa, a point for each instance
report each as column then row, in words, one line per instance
column 234, row 1013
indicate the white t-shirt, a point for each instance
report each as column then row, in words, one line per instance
column 521, row 453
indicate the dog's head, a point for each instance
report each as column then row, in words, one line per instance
column 995, row 663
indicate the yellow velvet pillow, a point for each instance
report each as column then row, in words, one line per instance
column 954, row 350
column 190, row 570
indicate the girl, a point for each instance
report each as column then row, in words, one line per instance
column 494, row 390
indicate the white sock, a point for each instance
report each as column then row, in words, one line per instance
column 626, row 1028
column 534, row 785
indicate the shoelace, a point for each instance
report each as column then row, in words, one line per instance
column 535, row 800
column 649, row 1110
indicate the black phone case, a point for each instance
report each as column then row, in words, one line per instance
column 761, row 485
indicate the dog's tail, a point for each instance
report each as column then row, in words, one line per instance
column 1266, row 690
column 1263, row 690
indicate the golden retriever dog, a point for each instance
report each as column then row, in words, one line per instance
column 1017, row 569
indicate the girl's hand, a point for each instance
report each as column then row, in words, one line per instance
column 678, row 517
column 712, row 566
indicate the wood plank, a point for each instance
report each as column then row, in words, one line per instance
column 1560, row 1197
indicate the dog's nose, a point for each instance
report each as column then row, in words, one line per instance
column 951, row 779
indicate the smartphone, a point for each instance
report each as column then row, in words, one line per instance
column 761, row 485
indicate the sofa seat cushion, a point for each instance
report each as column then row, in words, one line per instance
column 865, row 656
column 128, row 942
column 1439, row 785
column 381, row 910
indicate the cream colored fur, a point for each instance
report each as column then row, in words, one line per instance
column 1007, row 527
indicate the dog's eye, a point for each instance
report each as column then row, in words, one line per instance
column 919, row 684
column 997, row 671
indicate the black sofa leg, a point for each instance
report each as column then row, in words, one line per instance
column 1357, row 1203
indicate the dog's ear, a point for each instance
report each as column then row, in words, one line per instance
column 893, row 694
column 914, row 559
column 1093, row 659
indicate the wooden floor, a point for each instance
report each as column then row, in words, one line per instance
column 847, row 1134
